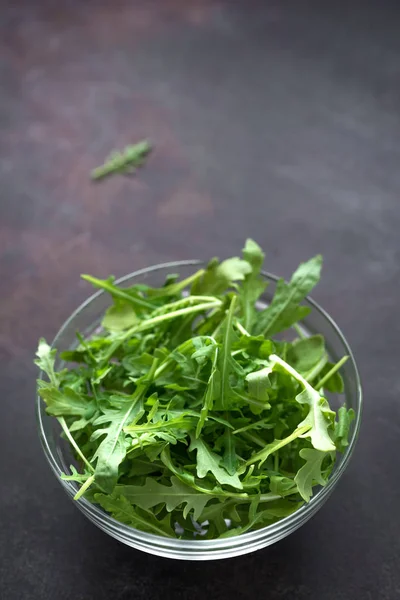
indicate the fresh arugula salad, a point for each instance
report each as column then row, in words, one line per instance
column 192, row 412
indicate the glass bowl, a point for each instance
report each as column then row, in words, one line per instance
column 86, row 318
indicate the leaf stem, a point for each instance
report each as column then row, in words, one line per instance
column 149, row 323
column 257, row 424
column 84, row 487
column 173, row 306
column 242, row 330
column 329, row 374
column 186, row 282
column 317, row 368
column 253, row 438
column 67, row 432
column 276, row 461
column 276, row 445
column 299, row 331
column 274, row 359
column 269, row 497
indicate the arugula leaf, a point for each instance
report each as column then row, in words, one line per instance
column 225, row 362
column 259, row 384
column 220, row 276
column 342, row 428
column 128, row 296
column 319, row 417
column 282, row 486
column 208, row 461
column 265, row 517
column 310, row 472
column 211, row 393
column 176, row 287
column 128, row 160
column 229, row 459
column 276, row 445
column 254, row 285
column 142, row 466
column 75, row 476
column 214, row 514
column 112, row 450
column 66, row 402
column 304, row 354
column 119, row 317
column 45, row 361
column 284, row 310
column 122, row 510
column 153, row 493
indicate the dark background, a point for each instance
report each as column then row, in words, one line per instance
column 277, row 120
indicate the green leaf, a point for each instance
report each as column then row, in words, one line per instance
column 127, row 295
column 215, row 515
column 284, row 310
column 342, row 428
column 189, row 479
column 122, row 510
column 259, row 384
column 88, row 352
column 335, row 383
column 112, row 449
column 75, row 476
column 153, row 493
column 278, row 510
column 184, row 422
column 225, row 362
column 109, row 454
column 120, row 162
column 276, row 445
column 119, row 317
column 175, row 288
column 208, row 461
column 254, row 285
column 66, row 402
column 45, row 360
column 137, row 365
column 304, row 354
column 212, row 392
column 219, row 277
column 255, row 346
column 141, row 466
column 229, row 458
column 282, row 486
column 319, row 417
column 253, row 254
column 310, row 473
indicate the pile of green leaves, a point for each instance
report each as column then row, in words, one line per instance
column 187, row 411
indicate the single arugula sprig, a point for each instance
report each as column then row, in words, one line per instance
column 185, row 414
column 123, row 162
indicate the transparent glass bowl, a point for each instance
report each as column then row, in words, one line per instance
column 86, row 318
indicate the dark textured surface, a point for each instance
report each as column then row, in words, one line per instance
column 278, row 120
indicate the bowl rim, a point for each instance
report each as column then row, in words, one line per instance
column 295, row 519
